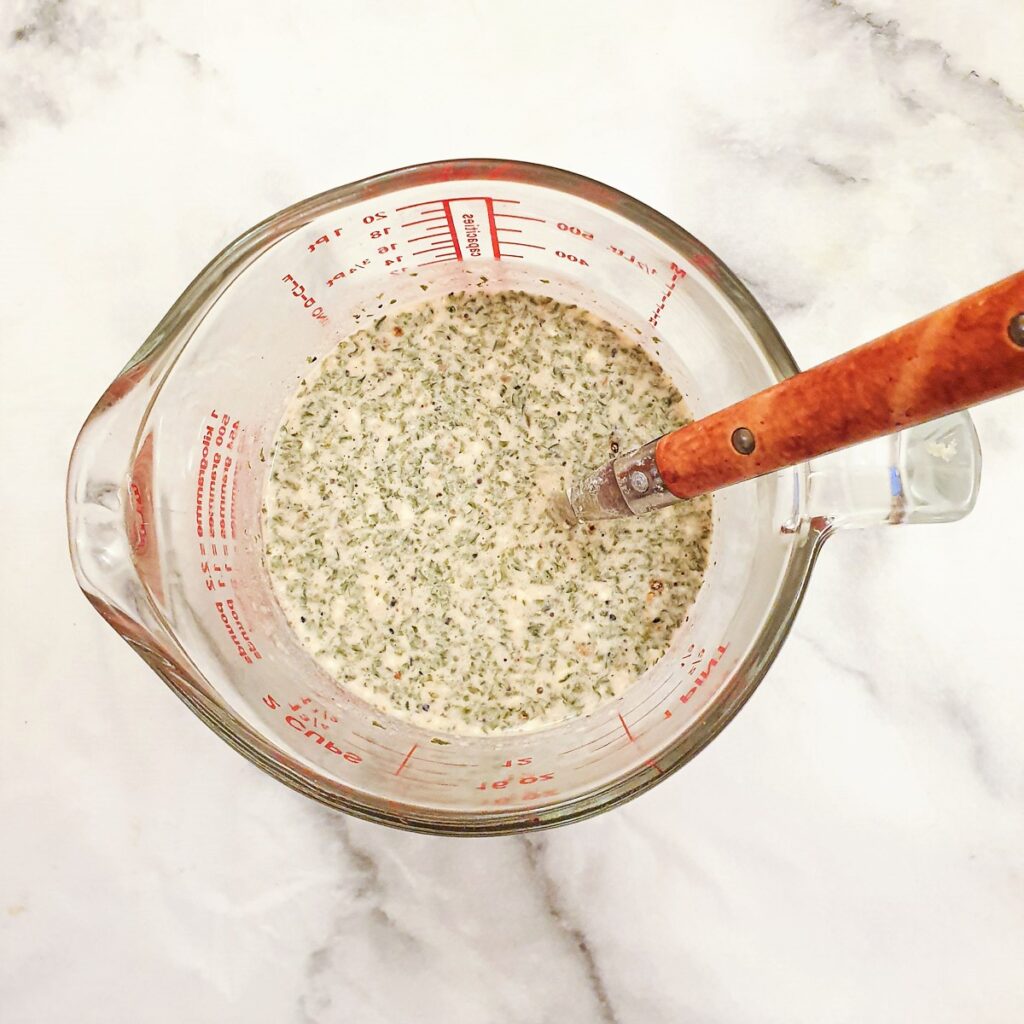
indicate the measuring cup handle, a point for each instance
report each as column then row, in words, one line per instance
column 926, row 474
column 965, row 353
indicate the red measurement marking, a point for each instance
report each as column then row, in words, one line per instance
column 626, row 729
column 703, row 677
column 422, row 207
column 216, row 489
column 608, row 739
column 224, row 499
column 476, row 199
column 249, row 647
column 639, row 264
column 523, row 780
column 451, row 228
column 426, row 220
column 308, row 302
column 471, row 223
column 430, row 263
column 651, row 764
column 204, row 463
column 299, row 723
column 494, row 230
column 405, row 760
column 677, row 275
column 214, row 472
column 240, row 648
column 342, row 274
column 210, row 513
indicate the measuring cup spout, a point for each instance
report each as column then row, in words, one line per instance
column 109, row 515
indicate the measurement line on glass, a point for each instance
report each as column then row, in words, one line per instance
column 405, row 760
column 650, row 762
column 471, row 229
column 464, row 228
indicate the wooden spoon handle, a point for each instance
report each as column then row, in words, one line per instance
column 959, row 355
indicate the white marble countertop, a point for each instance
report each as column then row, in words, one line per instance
column 851, row 849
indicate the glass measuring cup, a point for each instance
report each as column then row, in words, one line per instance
column 165, row 484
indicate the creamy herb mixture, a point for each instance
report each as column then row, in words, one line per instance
column 404, row 519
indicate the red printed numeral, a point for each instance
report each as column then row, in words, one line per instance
column 572, row 259
column 573, row 230
column 523, row 780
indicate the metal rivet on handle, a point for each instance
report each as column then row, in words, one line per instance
column 639, row 482
column 743, row 440
column 1016, row 330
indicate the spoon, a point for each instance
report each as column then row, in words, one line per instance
column 960, row 355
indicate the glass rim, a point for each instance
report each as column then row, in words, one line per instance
column 176, row 328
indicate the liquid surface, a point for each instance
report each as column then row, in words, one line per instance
column 404, row 518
